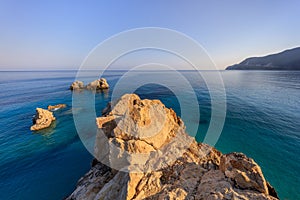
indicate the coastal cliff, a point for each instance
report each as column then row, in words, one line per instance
column 143, row 152
column 286, row 60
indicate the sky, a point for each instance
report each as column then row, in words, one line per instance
column 59, row 34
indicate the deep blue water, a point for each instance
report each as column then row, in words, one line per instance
column 262, row 120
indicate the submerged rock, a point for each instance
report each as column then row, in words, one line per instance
column 56, row 107
column 77, row 85
column 143, row 152
column 42, row 119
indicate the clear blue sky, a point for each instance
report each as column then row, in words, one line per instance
column 59, row 34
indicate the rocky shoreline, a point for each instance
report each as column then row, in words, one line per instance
column 169, row 164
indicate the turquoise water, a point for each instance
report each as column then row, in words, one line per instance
column 262, row 120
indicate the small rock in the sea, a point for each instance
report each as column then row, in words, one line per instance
column 77, row 85
column 42, row 119
column 99, row 84
column 56, row 107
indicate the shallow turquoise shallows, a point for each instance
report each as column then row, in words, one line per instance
column 262, row 121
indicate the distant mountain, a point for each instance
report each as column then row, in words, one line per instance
column 286, row 60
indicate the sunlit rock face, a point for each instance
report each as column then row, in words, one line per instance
column 42, row 119
column 143, row 152
column 77, row 85
column 56, row 107
column 99, row 84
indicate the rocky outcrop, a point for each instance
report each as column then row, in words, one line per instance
column 42, row 119
column 103, row 83
column 77, row 85
column 56, row 107
column 143, row 152
column 99, row 84
column 243, row 171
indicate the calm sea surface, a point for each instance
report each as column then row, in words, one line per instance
column 262, row 121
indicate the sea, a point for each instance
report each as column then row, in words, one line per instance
column 261, row 119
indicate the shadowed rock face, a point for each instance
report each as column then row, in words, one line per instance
column 42, row 119
column 173, row 165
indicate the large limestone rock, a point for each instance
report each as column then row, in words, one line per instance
column 99, row 84
column 77, row 85
column 147, row 155
column 42, row 119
